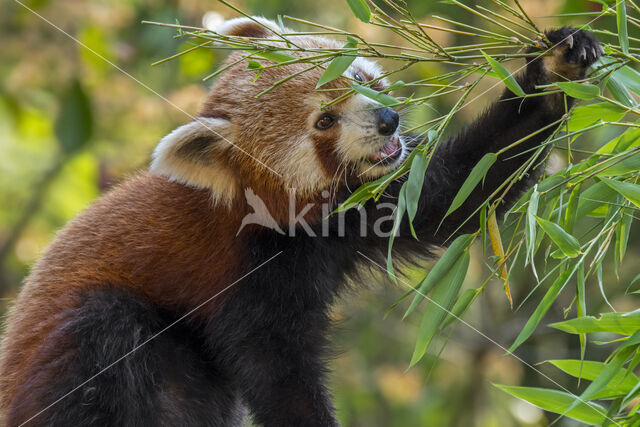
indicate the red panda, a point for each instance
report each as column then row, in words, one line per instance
column 158, row 305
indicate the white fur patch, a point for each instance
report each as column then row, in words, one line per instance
column 360, row 138
column 231, row 26
column 303, row 165
column 359, row 134
column 368, row 66
column 216, row 176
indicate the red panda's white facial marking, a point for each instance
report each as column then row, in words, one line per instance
column 305, row 147
column 364, row 140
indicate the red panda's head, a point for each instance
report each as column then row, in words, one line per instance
column 283, row 136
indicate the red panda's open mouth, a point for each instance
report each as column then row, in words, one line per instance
column 389, row 152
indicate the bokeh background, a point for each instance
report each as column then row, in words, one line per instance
column 52, row 89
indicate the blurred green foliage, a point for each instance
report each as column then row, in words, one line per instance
column 72, row 125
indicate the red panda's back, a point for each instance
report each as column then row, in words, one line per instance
column 162, row 240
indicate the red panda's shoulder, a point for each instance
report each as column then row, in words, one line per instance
column 147, row 234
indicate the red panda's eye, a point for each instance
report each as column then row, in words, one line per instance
column 358, row 77
column 325, row 122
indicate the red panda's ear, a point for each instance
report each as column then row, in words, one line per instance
column 256, row 26
column 194, row 154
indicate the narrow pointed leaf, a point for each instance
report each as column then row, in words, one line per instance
column 622, row 234
column 442, row 267
column 617, row 323
column 442, row 299
column 338, row 65
column 630, row 165
column 400, row 210
column 593, row 197
column 382, row 98
column 568, row 244
column 581, row 307
column 542, row 309
column 623, row 36
column 623, row 380
column 629, row 78
column 461, row 306
column 414, row 185
column 275, row 56
column 572, row 208
column 530, row 236
column 579, row 90
column 508, row 79
column 360, row 9
column 558, row 402
column 630, row 191
column 619, row 91
column 605, row 377
column 477, row 174
column 586, row 115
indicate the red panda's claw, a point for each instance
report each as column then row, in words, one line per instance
column 570, row 41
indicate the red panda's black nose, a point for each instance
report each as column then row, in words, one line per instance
column 387, row 121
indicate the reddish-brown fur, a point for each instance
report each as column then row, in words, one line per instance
column 150, row 233
column 180, row 237
column 175, row 245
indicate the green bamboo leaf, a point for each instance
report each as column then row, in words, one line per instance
column 581, row 308
column 383, row 98
column 338, row 65
column 617, row 323
column 623, row 36
column 504, row 74
column 400, row 210
column 74, row 124
column 572, row 208
column 555, row 180
column 629, row 78
column 623, row 381
column 633, row 281
column 413, row 186
column 360, row 9
column 275, row 56
column 619, row 91
column 432, row 135
column 442, row 298
column 395, row 85
column 397, row 302
column 630, row 191
column 461, row 306
column 594, row 197
column 604, row 378
column 530, row 237
column 477, row 174
column 568, row 244
column 627, row 141
column 633, row 393
column 579, row 90
column 361, row 195
column 442, row 267
column 483, row 227
column 542, row 309
column 622, row 234
column 558, row 402
column 281, row 24
column 630, row 164
column 587, row 115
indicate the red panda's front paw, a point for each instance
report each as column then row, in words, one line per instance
column 573, row 51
